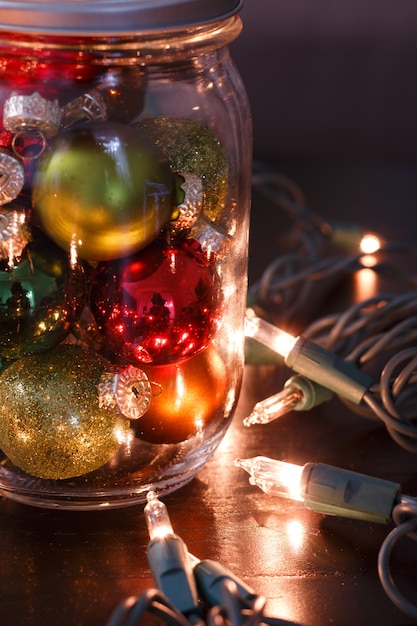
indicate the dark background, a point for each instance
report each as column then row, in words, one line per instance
column 331, row 78
column 332, row 86
column 333, row 91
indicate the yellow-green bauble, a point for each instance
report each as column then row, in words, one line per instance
column 51, row 425
column 104, row 189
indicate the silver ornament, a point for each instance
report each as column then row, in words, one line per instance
column 126, row 391
column 12, row 177
column 30, row 113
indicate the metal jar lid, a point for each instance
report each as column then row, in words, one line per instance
column 95, row 17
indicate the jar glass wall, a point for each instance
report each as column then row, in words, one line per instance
column 124, row 210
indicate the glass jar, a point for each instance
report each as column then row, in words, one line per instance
column 125, row 152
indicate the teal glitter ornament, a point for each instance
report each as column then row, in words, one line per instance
column 51, row 425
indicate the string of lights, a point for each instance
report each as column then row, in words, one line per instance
column 334, row 491
column 315, row 254
column 366, row 355
column 189, row 591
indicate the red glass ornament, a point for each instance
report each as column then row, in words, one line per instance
column 46, row 65
column 159, row 306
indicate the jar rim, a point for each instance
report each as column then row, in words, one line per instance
column 110, row 17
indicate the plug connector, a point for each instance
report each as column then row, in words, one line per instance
column 311, row 360
column 325, row 489
column 211, row 577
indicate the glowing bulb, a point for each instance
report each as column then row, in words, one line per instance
column 369, row 244
column 157, row 518
column 268, row 334
column 275, row 406
column 272, row 476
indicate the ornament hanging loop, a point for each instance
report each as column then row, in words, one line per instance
column 23, row 152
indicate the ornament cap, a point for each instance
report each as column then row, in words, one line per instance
column 90, row 107
column 126, row 391
column 12, row 177
column 22, row 112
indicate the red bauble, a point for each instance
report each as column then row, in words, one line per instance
column 159, row 306
column 57, row 63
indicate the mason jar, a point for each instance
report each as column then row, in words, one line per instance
column 125, row 155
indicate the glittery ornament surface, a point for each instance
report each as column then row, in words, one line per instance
column 192, row 392
column 50, row 424
column 104, row 188
column 158, row 306
column 41, row 296
column 192, row 147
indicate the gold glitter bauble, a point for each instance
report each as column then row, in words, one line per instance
column 51, row 425
column 190, row 146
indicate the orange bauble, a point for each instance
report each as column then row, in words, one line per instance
column 192, row 392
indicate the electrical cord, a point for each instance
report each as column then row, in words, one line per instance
column 377, row 336
column 367, row 334
column 406, row 510
column 316, row 254
column 334, row 491
column 189, row 592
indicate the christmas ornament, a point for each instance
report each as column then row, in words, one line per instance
column 31, row 113
column 192, row 395
column 126, row 391
column 41, row 296
column 105, row 189
column 50, row 424
column 90, row 107
column 158, row 306
column 191, row 146
column 189, row 207
column 12, row 177
column 122, row 89
column 14, row 235
column 62, row 68
column 211, row 237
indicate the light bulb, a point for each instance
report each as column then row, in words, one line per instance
column 276, row 477
column 370, row 244
column 299, row 394
column 310, row 359
column 325, row 489
column 277, row 339
column 274, row 407
column 157, row 518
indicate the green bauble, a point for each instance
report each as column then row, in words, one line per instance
column 42, row 295
column 191, row 146
column 51, row 425
column 104, row 189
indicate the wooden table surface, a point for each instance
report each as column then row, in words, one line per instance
column 69, row 568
